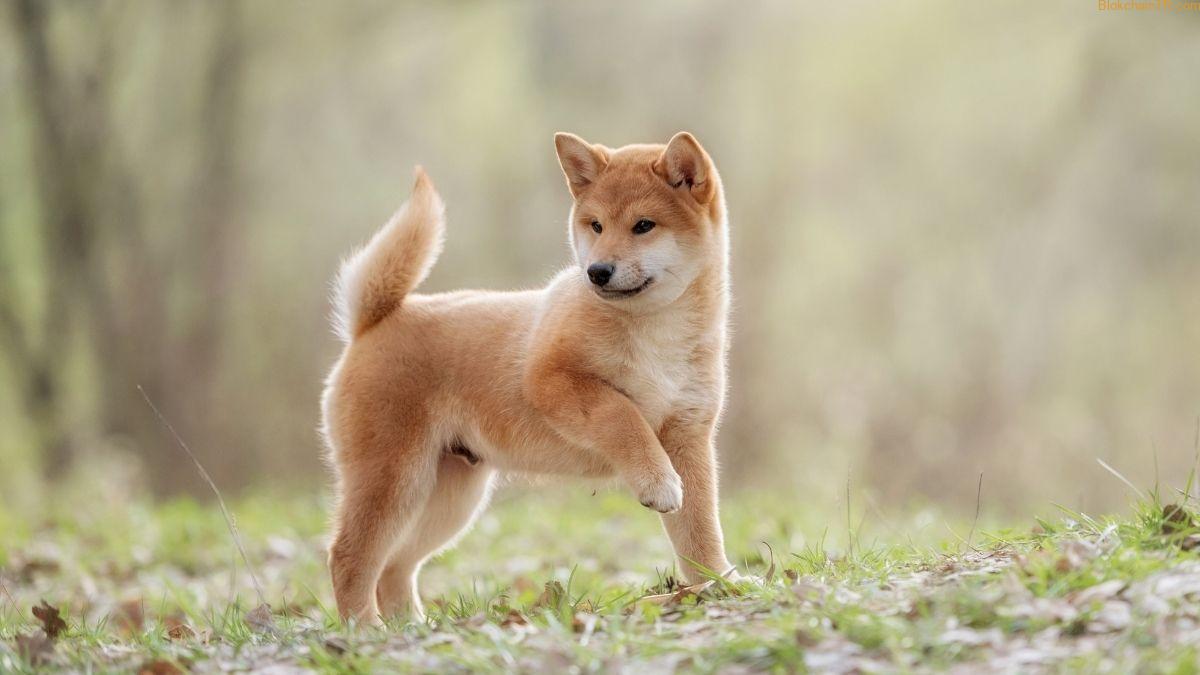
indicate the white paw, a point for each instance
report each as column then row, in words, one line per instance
column 662, row 493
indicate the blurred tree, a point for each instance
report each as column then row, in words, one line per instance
column 99, row 272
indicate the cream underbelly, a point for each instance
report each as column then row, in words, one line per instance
column 538, row 451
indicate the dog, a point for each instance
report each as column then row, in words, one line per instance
column 615, row 368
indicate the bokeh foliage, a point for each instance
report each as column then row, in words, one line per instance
column 965, row 234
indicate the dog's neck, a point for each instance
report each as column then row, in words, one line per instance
column 701, row 310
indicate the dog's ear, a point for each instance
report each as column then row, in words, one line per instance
column 581, row 161
column 685, row 165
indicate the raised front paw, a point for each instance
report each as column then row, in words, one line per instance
column 663, row 493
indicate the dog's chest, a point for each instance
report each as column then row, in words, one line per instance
column 658, row 367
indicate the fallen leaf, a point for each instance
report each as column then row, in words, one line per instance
column 805, row 638
column 584, row 623
column 1175, row 518
column 27, row 569
column 336, row 645
column 261, row 620
column 37, row 648
column 181, row 632
column 514, row 618
column 159, row 667
column 52, row 623
column 129, row 616
column 674, row 598
column 770, row 573
column 551, row 596
column 295, row 610
column 692, row 591
column 656, row 599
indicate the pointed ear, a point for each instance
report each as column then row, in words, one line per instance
column 581, row 161
column 685, row 165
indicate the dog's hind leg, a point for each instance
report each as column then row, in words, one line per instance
column 459, row 494
column 382, row 493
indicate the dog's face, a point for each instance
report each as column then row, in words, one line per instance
column 645, row 219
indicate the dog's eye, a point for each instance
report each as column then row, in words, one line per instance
column 643, row 226
column 597, row 227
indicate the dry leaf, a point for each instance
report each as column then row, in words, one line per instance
column 585, row 623
column 806, row 639
column 294, row 609
column 336, row 645
column 37, row 648
column 28, row 569
column 668, row 599
column 1175, row 518
column 770, row 573
column 129, row 617
column 52, row 623
column 159, row 667
column 551, row 596
column 656, row 599
column 690, row 591
column 261, row 620
column 178, row 630
column 181, row 631
column 514, row 618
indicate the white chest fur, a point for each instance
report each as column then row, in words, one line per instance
column 658, row 367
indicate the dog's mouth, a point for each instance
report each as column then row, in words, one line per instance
column 615, row 293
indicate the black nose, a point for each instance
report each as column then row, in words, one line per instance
column 600, row 273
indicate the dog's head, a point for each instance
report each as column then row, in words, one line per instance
column 647, row 221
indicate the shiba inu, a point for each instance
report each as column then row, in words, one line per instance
column 615, row 368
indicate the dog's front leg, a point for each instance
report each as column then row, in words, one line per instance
column 695, row 531
column 591, row 413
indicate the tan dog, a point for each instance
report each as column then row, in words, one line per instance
column 616, row 367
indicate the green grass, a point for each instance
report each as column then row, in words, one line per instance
column 551, row 580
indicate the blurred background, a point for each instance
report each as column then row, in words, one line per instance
column 966, row 236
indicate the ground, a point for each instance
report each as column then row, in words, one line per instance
column 559, row 580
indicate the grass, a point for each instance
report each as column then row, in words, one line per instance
column 554, row 580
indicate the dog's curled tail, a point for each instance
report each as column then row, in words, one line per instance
column 374, row 280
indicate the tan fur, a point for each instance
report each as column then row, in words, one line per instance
column 435, row 394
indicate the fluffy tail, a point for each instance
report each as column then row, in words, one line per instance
column 374, row 280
